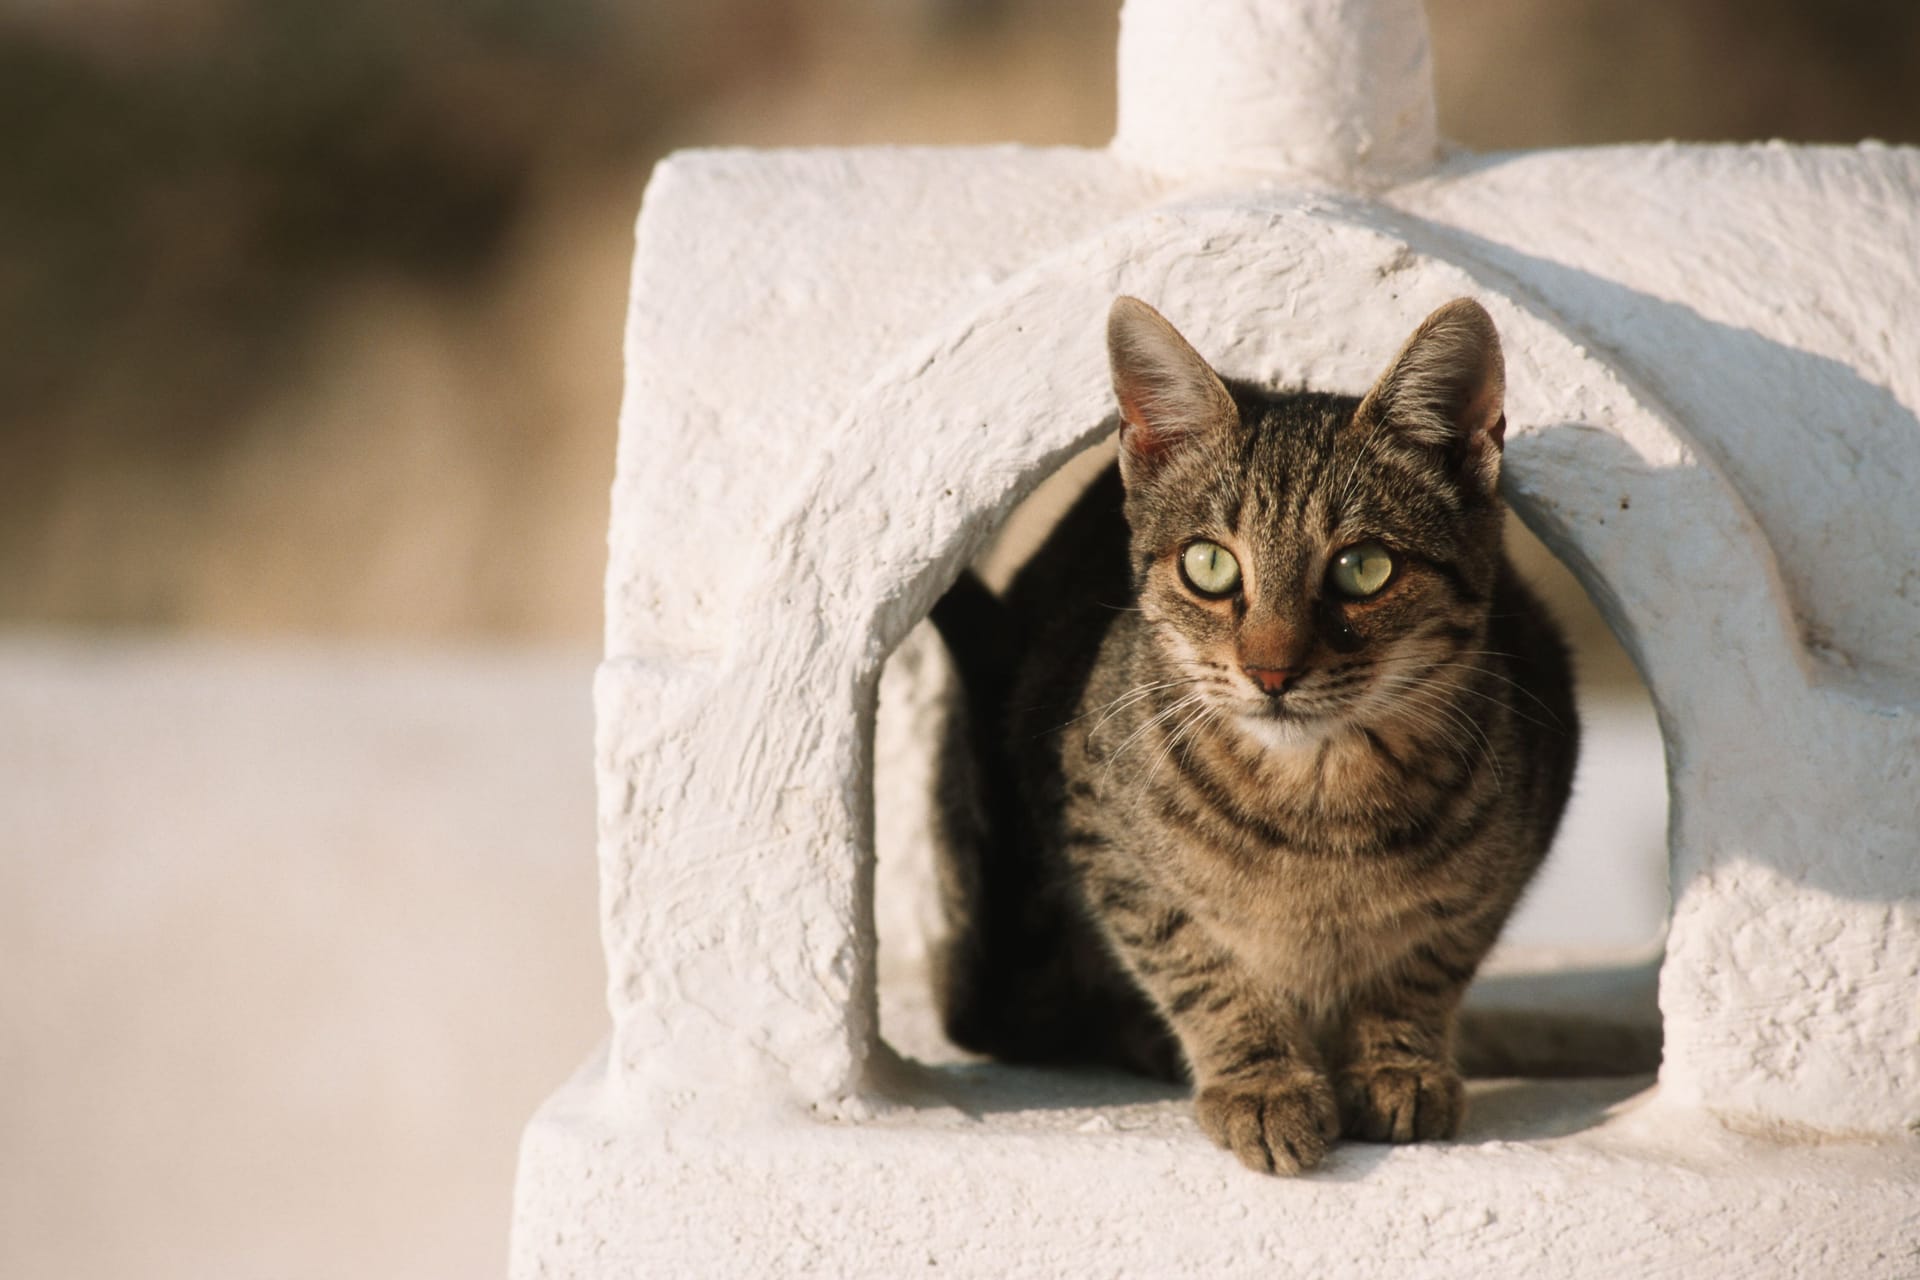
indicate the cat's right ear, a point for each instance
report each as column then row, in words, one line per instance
column 1168, row 394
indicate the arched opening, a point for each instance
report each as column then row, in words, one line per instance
column 1003, row 394
column 1570, row 990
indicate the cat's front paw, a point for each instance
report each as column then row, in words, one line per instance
column 1400, row 1103
column 1273, row 1126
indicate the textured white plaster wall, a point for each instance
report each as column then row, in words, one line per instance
column 1337, row 90
column 751, row 786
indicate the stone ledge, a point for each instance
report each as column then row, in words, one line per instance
column 1003, row 1172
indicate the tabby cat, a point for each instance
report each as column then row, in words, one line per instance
column 1259, row 749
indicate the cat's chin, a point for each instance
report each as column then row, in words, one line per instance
column 1282, row 732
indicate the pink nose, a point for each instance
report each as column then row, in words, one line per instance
column 1270, row 679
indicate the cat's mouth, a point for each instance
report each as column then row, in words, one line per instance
column 1293, row 705
column 1316, row 703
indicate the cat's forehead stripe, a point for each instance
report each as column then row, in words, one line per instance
column 1288, row 459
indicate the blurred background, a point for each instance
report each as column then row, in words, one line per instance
column 310, row 311
column 310, row 327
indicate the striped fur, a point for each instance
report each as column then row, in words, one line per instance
column 1279, row 897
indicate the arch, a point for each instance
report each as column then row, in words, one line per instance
column 961, row 425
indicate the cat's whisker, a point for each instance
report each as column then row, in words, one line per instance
column 1214, row 714
column 1131, row 696
column 1536, row 699
column 1178, row 706
column 1162, row 716
column 1435, row 665
column 1437, row 701
column 1127, row 699
column 1508, row 706
column 1181, row 735
column 1436, row 731
column 1409, row 691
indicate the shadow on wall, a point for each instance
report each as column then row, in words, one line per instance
column 1829, row 401
column 1833, row 411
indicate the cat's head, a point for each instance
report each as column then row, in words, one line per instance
column 1311, row 560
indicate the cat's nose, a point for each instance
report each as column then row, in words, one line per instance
column 1272, row 680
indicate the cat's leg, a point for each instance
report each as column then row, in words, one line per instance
column 1259, row 1087
column 1395, row 1074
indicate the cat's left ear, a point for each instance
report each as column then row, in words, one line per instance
column 1447, row 390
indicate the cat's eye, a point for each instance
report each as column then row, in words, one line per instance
column 1361, row 570
column 1210, row 568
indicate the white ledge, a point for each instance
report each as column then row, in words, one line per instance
column 997, row 1171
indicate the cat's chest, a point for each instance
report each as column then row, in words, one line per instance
column 1303, row 918
column 1271, row 857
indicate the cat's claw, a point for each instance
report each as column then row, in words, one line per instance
column 1273, row 1126
column 1401, row 1103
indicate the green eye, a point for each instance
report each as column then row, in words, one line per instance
column 1210, row 568
column 1361, row 570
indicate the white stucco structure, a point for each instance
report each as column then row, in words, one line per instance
column 845, row 367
